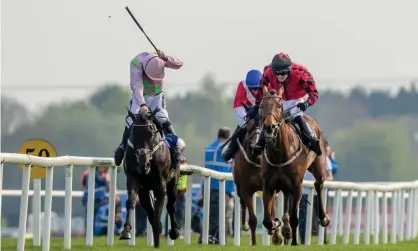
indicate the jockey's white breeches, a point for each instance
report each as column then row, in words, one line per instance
column 295, row 111
column 153, row 102
column 291, row 104
column 240, row 114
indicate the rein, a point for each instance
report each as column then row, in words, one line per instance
column 244, row 153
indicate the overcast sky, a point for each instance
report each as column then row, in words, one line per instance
column 56, row 44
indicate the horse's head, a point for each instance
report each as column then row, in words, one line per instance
column 253, row 123
column 144, row 137
column 271, row 112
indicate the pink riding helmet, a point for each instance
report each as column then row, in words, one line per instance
column 154, row 67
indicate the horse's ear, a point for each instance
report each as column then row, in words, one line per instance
column 131, row 114
column 280, row 92
column 265, row 91
column 245, row 106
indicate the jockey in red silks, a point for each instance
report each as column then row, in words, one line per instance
column 296, row 81
column 246, row 93
column 147, row 75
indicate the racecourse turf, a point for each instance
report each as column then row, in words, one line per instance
column 78, row 244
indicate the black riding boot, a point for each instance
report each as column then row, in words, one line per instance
column 232, row 147
column 120, row 150
column 259, row 146
column 177, row 156
column 314, row 142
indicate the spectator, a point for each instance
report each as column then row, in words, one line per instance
column 334, row 163
column 214, row 161
column 101, row 187
column 102, row 214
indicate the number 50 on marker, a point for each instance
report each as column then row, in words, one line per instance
column 39, row 148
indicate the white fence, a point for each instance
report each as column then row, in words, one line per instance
column 400, row 198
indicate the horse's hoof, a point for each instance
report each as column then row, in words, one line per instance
column 174, row 234
column 125, row 235
column 287, row 232
column 325, row 221
column 268, row 224
column 245, row 227
column 276, row 223
column 277, row 239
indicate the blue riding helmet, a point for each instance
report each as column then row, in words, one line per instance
column 253, row 78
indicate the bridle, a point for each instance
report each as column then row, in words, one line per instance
column 278, row 120
column 142, row 152
column 273, row 138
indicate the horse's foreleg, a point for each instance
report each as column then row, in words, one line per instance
column 318, row 171
column 130, row 204
column 268, row 194
column 148, row 205
column 286, row 229
column 244, row 223
column 294, row 220
column 156, row 220
column 252, row 218
column 277, row 238
column 174, row 232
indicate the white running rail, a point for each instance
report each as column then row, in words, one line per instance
column 398, row 198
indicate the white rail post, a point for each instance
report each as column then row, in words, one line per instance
column 132, row 241
column 188, row 213
column 335, row 216
column 47, row 208
column 36, row 212
column 112, row 207
column 346, row 237
column 321, row 232
column 376, row 216
column 1, row 182
column 393, row 222
column 402, row 215
column 385, row 218
column 24, row 207
column 90, row 205
column 357, row 228
column 222, row 212
column 68, row 206
column 237, row 221
column 309, row 213
column 409, row 217
column 206, row 210
column 367, row 221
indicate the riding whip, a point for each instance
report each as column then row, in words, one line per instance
column 140, row 27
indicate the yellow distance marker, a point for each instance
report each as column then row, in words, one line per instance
column 39, row 148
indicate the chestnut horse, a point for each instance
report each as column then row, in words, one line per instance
column 248, row 177
column 284, row 162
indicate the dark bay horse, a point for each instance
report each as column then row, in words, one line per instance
column 147, row 166
column 248, row 176
column 284, row 162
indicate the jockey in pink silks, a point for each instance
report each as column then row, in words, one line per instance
column 147, row 75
